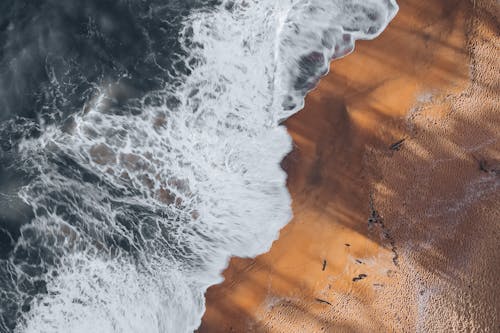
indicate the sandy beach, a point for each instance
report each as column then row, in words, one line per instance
column 395, row 180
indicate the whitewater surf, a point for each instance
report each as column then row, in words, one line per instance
column 140, row 148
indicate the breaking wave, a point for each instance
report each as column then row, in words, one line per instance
column 141, row 147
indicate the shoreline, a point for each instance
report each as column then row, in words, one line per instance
column 396, row 159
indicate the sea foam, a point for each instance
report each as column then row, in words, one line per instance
column 138, row 207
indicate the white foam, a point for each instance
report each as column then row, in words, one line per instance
column 210, row 162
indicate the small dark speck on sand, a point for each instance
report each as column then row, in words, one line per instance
column 359, row 277
column 484, row 166
column 397, row 145
column 324, row 265
column 322, row 301
column 359, row 261
column 347, row 244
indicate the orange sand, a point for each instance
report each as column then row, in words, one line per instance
column 431, row 255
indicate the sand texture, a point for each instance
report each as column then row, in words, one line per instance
column 395, row 179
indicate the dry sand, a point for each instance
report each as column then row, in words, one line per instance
column 420, row 222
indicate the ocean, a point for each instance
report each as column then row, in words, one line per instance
column 140, row 148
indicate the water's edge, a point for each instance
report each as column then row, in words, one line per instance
column 141, row 145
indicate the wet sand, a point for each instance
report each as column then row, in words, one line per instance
column 395, row 179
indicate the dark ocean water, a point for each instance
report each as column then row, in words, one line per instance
column 54, row 55
column 140, row 147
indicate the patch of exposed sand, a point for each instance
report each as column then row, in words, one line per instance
column 402, row 239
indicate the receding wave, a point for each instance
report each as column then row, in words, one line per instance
column 141, row 147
